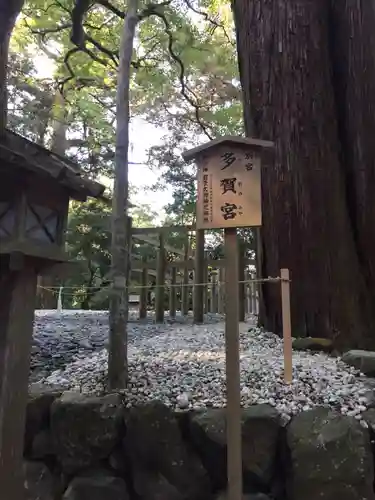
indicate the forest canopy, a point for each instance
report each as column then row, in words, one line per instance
column 62, row 73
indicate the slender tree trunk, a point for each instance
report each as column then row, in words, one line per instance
column 9, row 10
column 47, row 298
column 117, row 362
column 290, row 64
column 41, row 126
column 59, row 125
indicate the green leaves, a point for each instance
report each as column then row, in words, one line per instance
column 184, row 79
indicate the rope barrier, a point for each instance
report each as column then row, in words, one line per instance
column 169, row 285
column 82, row 289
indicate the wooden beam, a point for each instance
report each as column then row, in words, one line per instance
column 190, row 264
column 162, row 229
column 155, row 243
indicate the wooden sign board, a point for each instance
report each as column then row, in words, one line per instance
column 229, row 196
column 229, row 187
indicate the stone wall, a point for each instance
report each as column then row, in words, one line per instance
column 94, row 448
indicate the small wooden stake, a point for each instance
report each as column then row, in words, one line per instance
column 233, row 412
column 287, row 329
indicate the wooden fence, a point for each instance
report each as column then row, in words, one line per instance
column 183, row 279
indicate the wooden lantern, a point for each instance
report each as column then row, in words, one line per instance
column 35, row 189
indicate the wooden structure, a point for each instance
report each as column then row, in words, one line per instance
column 205, row 292
column 182, row 290
column 191, row 279
column 36, row 186
column 229, row 196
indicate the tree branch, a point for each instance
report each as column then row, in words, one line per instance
column 112, row 8
column 210, row 20
column 45, row 31
column 69, row 68
column 79, row 11
column 184, row 87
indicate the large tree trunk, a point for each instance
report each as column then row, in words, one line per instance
column 353, row 65
column 9, row 10
column 118, row 311
column 302, row 82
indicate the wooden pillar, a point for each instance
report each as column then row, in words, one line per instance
column 178, row 290
column 214, row 293
column 219, row 298
column 241, row 286
column 192, row 288
column 222, row 291
column 254, row 299
column 143, row 294
column 209, row 292
column 172, row 293
column 247, row 293
column 185, row 281
column 160, row 282
column 232, row 347
column 206, row 290
column 199, row 277
column 17, row 303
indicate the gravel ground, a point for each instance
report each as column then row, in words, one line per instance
column 60, row 338
column 184, row 365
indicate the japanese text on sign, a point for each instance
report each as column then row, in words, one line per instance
column 229, row 193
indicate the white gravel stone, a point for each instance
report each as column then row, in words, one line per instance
column 183, row 365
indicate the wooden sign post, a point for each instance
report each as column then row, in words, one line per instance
column 229, row 196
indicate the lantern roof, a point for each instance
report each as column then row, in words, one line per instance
column 20, row 153
column 190, row 154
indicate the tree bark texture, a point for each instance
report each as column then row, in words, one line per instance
column 118, row 311
column 9, row 10
column 307, row 70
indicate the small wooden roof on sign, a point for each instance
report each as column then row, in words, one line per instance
column 231, row 139
column 20, row 153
